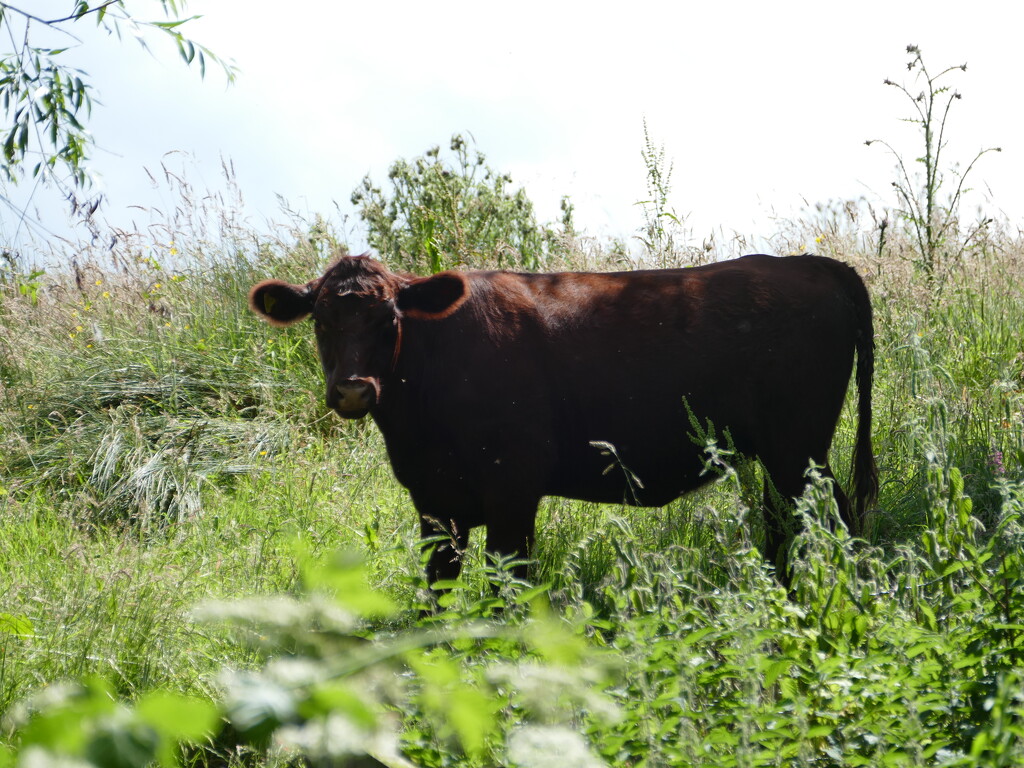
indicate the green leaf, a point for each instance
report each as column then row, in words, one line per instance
column 697, row 635
column 15, row 625
column 339, row 698
column 445, row 584
column 775, row 670
column 342, row 575
column 529, row 594
column 471, row 714
column 177, row 717
column 123, row 745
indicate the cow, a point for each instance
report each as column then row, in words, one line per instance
column 493, row 389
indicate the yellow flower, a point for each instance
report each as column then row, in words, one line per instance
column 99, row 282
column 106, row 294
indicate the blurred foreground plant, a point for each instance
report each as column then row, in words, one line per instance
column 342, row 682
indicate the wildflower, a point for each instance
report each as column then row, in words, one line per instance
column 99, row 282
column 995, row 462
column 106, row 294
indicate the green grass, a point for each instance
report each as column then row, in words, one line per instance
column 159, row 447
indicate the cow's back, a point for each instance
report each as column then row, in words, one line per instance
column 583, row 384
column 750, row 346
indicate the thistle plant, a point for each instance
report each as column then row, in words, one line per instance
column 934, row 222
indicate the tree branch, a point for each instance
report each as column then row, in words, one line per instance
column 53, row 22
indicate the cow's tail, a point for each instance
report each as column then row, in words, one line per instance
column 865, row 471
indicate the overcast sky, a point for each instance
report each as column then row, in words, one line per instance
column 761, row 107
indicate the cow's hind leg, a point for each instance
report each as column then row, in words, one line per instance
column 785, row 480
column 781, row 488
column 842, row 503
column 779, row 524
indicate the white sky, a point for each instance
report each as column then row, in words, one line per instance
column 760, row 106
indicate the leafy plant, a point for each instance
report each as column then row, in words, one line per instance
column 934, row 221
column 46, row 103
column 85, row 723
column 442, row 213
column 664, row 235
column 659, row 220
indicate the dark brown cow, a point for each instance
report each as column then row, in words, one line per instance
column 493, row 389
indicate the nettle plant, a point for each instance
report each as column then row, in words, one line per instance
column 931, row 211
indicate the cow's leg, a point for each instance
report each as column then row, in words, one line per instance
column 842, row 503
column 785, row 480
column 778, row 526
column 782, row 486
column 511, row 532
column 446, row 559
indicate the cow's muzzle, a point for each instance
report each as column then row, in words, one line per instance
column 353, row 398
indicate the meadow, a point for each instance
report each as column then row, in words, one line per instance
column 200, row 565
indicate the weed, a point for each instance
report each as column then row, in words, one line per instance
column 934, row 222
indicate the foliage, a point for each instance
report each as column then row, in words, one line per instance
column 47, row 102
column 664, row 236
column 934, row 222
column 442, row 213
column 659, row 220
column 911, row 658
column 160, row 449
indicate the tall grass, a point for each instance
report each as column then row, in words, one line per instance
column 159, row 446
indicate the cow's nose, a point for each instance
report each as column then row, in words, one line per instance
column 352, row 398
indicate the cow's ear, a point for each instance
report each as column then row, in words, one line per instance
column 434, row 298
column 281, row 303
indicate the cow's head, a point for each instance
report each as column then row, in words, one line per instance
column 357, row 308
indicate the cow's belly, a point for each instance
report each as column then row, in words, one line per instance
column 650, row 476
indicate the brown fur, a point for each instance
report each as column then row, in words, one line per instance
column 494, row 389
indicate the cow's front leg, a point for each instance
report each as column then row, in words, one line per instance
column 510, row 531
column 445, row 560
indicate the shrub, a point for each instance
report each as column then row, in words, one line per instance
column 442, row 213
